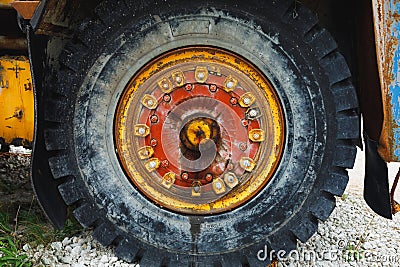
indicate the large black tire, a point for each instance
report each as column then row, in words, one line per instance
column 298, row 57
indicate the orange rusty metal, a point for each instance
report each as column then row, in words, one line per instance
column 170, row 86
column 5, row 4
column 386, row 20
column 25, row 8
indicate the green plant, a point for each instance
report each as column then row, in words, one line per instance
column 10, row 254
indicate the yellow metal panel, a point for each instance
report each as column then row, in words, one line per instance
column 16, row 100
column 5, row 3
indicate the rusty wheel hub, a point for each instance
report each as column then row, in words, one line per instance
column 199, row 130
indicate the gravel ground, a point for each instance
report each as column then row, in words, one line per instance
column 352, row 236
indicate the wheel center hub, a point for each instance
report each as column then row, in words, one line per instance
column 199, row 130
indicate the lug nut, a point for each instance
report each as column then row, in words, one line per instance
column 185, row 176
column 142, row 130
column 166, row 98
column 152, row 164
column 209, row 177
column 247, row 100
column 253, row 113
column 213, row 88
column 165, row 163
column 230, row 84
column 196, row 188
column 218, row 185
column 234, row 101
column 188, row 87
column 231, row 178
column 153, row 142
column 154, row 118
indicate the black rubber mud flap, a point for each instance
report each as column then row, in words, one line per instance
column 43, row 183
column 376, row 184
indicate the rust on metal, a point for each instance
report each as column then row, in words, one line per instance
column 25, row 8
column 395, row 205
column 16, row 100
column 387, row 34
column 210, row 154
column 13, row 43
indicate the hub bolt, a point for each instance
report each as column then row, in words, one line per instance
column 142, row 130
column 245, row 123
column 247, row 100
column 213, row 88
column 185, row 176
column 154, row 118
column 234, row 101
column 153, row 142
column 188, row 87
column 230, row 84
column 167, row 98
column 253, row 113
column 231, row 178
column 209, row 177
column 246, row 163
column 196, row 188
column 218, row 185
column 152, row 164
column 165, row 163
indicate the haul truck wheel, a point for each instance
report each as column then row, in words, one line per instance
column 201, row 134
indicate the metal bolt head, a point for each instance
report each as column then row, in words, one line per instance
column 231, row 178
column 245, row 123
column 230, row 84
column 209, row 177
column 233, row 101
column 154, row 118
column 246, row 163
column 142, row 130
column 218, row 185
column 153, row 142
column 213, row 88
column 200, row 75
column 246, row 100
column 150, row 102
column 185, row 176
column 165, row 85
column 188, row 87
column 256, row 136
column 253, row 113
column 165, row 163
column 167, row 98
column 196, row 188
column 178, row 79
column 152, row 164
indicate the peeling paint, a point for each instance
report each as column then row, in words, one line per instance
column 387, row 32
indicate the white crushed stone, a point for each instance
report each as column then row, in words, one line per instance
column 352, row 236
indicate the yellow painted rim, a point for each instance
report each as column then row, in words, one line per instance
column 184, row 75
